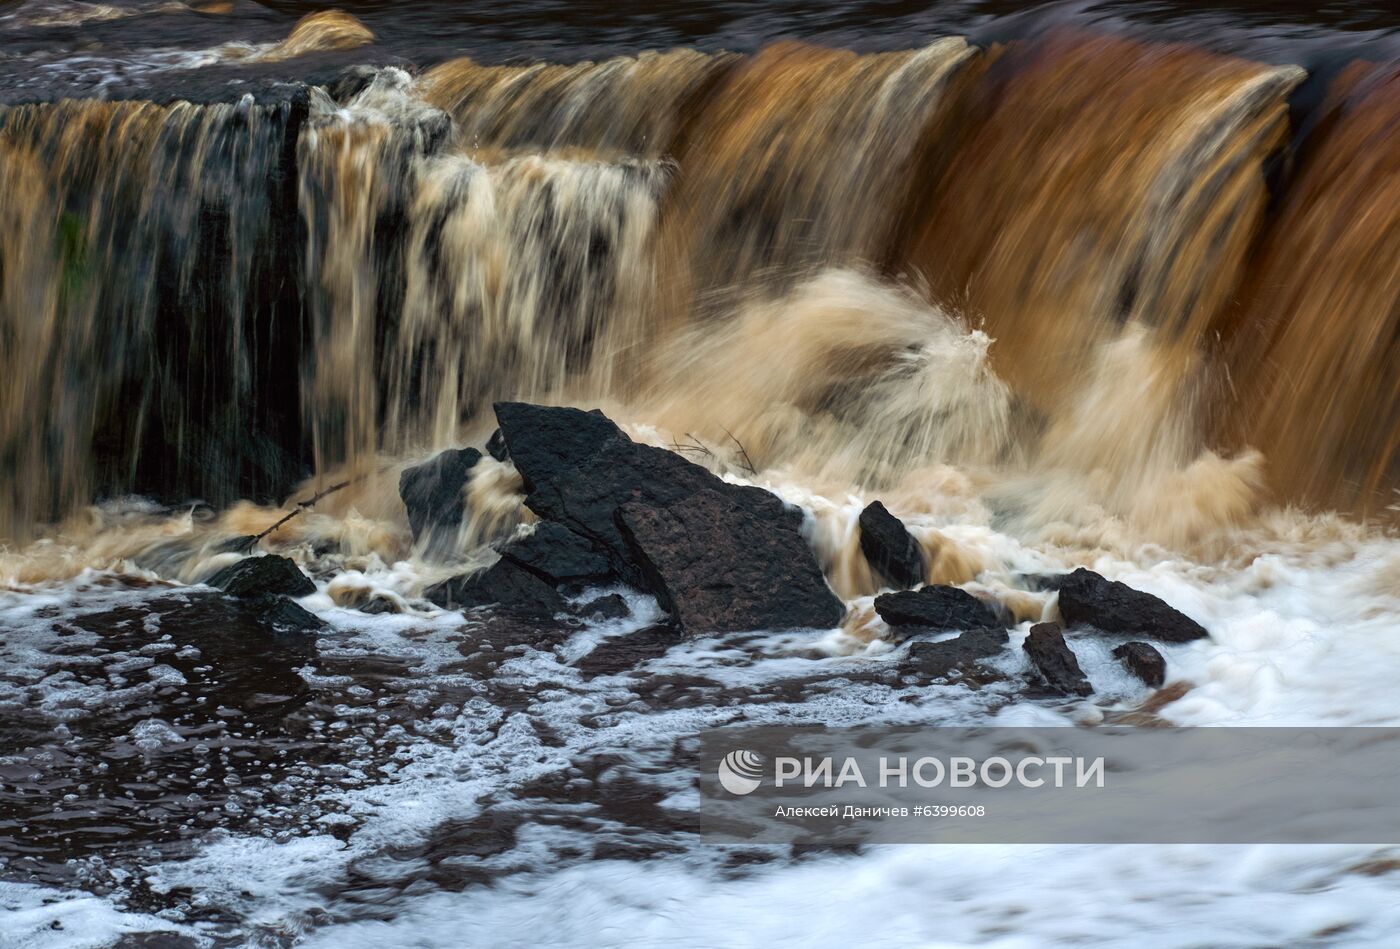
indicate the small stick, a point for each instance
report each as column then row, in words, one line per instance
column 303, row 506
column 698, row 447
column 748, row 462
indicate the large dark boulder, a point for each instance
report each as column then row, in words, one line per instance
column 580, row 470
column 937, row 609
column 890, row 549
column 558, row 556
column 505, row 585
column 1087, row 599
column 1055, row 661
column 255, row 576
column 718, row 568
column 432, row 494
column 1143, row 661
column 962, row 655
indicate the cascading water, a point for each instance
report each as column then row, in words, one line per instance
column 1312, row 353
column 152, row 380
column 1058, row 297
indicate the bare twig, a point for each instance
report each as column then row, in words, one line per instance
column 303, row 506
column 698, row 447
column 744, row 452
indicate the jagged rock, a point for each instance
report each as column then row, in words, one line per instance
column 1143, row 661
column 504, row 584
column 938, row 660
column 496, row 446
column 1055, row 661
column 891, row 550
column 557, row 555
column 1087, row 599
column 282, row 614
column 612, row 606
column 718, row 568
column 937, row 609
column 253, row 576
column 579, row 470
column 432, row 495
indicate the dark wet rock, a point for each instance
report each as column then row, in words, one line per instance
column 1088, row 599
column 579, row 468
column 621, row 653
column 1055, row 661
column 612, row 606
column 747, row 567
column 558, row 556
column 1143, row 661
column 496, row 446
column 380, row 605
column 432, row 493
column 939, row 660
column 282, row 614
column 938, row 609
column 717, row 567
column 254, row 576
column 504, row 584
column 891, row 550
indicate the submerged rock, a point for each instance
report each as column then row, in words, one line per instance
column 890, row 549
column 939, row 660
column 1055, row 661
column 718, row 568
column 612, row 606
column 282, row 614
column 254, row 576
column 621, row 653
column 938, row 609
column 433, row 495
column 381, row 605
column 1143, row 661
column 1088, row 599
column 506, row 585
column 745, row 564
column 558, row 556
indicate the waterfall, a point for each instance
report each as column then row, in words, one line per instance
column 1057, row 256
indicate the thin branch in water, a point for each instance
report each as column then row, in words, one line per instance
column 303, row 506
column 697, row 448
column 743, row 452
